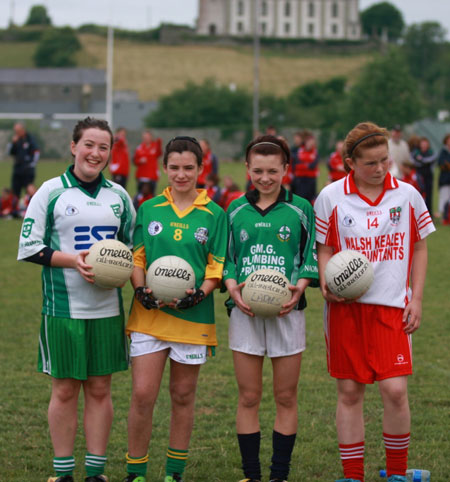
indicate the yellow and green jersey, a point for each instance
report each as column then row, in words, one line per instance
column 281, row 237
column 199, row 235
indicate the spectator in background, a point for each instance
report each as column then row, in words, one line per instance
column 423, row 158
column 9, row 204
column 230, row 192
column 305, row 169
column 298, row 142
column 413, row 142
column 409, row 175
column 444, row 180
column 25, row 151
column 336, row 163
column 398, row 150
column 143, row 195
column 271, row 130
column 210, row 164
column 212, row 187
column 146, row 160
column 119, row 165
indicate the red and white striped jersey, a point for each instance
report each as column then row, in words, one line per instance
column 384, row 230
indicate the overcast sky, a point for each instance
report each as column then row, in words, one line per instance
column 143, row 14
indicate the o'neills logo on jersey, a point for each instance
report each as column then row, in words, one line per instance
column 178, row 273
column 117, row 253
column 353, row 266
column 394, row 214
column 269, row 278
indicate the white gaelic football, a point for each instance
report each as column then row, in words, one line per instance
column 169, row 277
column 266, row 291
column 112, row 263
column 349, row 274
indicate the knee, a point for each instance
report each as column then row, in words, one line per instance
column 98, row 390
column 350, row 398
column 286, row 399
column 182, row 395
column 250, row 398
column 142, row 400
column 397, row 396
column 65, row 393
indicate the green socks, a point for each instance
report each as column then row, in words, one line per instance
column 63, row 465
column 94, row 464
column 137, row 465
column 176, row 461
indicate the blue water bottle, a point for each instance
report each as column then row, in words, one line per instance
column 413, row 475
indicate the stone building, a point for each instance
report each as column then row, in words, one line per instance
column 315, row 19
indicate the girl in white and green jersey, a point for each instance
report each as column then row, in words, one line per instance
column 269, row 228
column 82, row 340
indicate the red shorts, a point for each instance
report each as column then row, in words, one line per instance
column 366, row 343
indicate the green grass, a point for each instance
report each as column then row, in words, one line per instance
column 15, row 55
column 25, row 448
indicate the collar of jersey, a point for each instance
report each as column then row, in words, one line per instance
column 69, row 180
column 200, row 202
column 350, row 187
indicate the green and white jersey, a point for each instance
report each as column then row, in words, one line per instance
column 282, row 237
column 65, row 217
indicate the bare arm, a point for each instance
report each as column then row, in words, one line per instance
column 74, row 261
column 324, row 253
column 235, row 292
column 413, row 311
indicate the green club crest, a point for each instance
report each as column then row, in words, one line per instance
column 116, row 210
column 27, row 227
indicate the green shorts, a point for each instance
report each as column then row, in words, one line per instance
column 73, row 348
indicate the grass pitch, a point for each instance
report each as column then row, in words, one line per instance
column 25, row 448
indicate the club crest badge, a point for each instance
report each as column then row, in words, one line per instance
column 349, row 221
column 243, row 235
column 394, row 214
column 116, row 210
column 71, row 210
column 27, row 227
column 201, row 235
column 154, row 228
column 284, row 234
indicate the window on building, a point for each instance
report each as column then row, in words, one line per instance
column 264, row 9
column 311, row 28
column 240, row 9
column 335, row 10
column 287, row 28
column 263, row 28
column 334, row 29
column 212, row 29
column 240, row 27
column 311, row 10
column 287, row 9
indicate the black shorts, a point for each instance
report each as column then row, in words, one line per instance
column 21, row 180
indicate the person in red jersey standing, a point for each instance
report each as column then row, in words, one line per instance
column 146, row 160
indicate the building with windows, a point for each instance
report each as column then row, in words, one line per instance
column 315, row 19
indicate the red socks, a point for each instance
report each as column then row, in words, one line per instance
column 352, row 458
column 396, row 453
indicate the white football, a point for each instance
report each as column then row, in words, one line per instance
column 169, row 277
column 112, row 263
column 349, row 274
column 266, row 291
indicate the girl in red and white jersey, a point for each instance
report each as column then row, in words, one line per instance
column 369, row 339
column 146, row 161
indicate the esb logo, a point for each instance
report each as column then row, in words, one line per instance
column 86, row 236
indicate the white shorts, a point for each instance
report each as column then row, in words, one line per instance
column 274, row 337
column 143, row 344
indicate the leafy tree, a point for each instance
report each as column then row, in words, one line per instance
column 38, row 16
column 423, row 46
column 386, row 93
column 318, row 93
column 57, row 48
column 382, row 16
column 200, row 105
